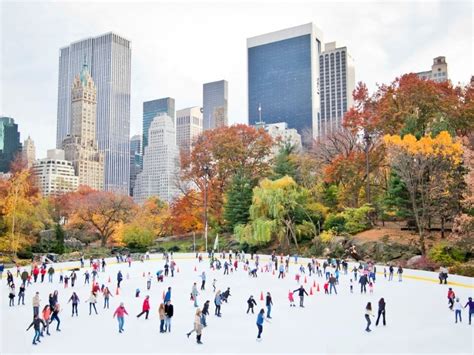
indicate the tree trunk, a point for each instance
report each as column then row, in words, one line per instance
column 442, row 227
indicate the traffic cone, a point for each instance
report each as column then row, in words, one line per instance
column 305, row 281
column 117, row 292
column 261, row 296
column 314, row 283
column 311, row 291
column 317, row 289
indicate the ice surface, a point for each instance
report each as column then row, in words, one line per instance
column 418, row 318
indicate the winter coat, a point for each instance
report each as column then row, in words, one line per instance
column 197, row 324
column 146, row 305
column 169, row 310
column 260, row 319
column 92, row 299
column 36, row 301
column 301, row 291
column 120, row 312
column 46, row 314
column 161, row 313
column 251, row 302
column 268, row 301
column 36, row 324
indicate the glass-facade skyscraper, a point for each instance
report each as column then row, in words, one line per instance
column 214, row 104
column 136, row 159
column 10, row 144
column 283, row 78
column 153, row 108
column 109, row 58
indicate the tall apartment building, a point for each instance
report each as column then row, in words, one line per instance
column 153, row 108
column 438, row 72
column 336, row 82
column 215, row 104
column 283, row 78
column 136, row 159
column 160, row 162
column 188, row 127
column 29, row 151
column 109, row 58
column 54, row 174
column 282, row 136
column 80, row 145
column 10, row 144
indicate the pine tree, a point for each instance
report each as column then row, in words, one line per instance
column 238, row 201
column 59, row 232
column 283, row 165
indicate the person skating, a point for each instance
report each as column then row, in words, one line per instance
column 50, row 274
column 281, row 271
column 194, row 295
column 86, row 277
column 37, row 323
column 260, row 319
column 169, row 312
column 120, row 312
column 46, row 315
column 75, row 300
column 390, row 273
column 381, row 312
column 368, row 314
column 162, row 315
column 451, row 297
column 251, row 302
column 197, row 326
column 36, row 304
column 218, row 303
column 119, row 278
column 291, row 299
column 55, row 316
column 21, row 295
column 332, row 284
column 145, row 307
column 205, row 313
column 225, row 295
column 269, row 304
column 301, row 293
column 214, row 285
column 203, row 282
column 167, row 295
column 107, row 294
column 470, row 304
column 11, row 295
column 457, row 310
column 363, row 283
column 148, row 281
column 400, row 272
column 92, row 301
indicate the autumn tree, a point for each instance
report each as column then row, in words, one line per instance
column 238, row 201
column 427, row 168
column 186, row 213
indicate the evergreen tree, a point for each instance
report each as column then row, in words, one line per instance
column 238, row 201
column 284, row 166
column 397, row 199
column 59, row 231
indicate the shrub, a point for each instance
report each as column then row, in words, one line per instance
column 138, row 239
column 335, row 222
column 462, row 269
column 446, row 255
column 327, row 236
column 357, row 219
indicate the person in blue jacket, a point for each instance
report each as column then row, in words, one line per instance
column 119, row 278
column 167, row 296
column 260, row 319
column 470, row 304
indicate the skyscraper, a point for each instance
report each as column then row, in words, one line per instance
column 160, row 162
column 438, row 72
column 136, row 159
column 108, row 57
column 214, row 101
column 151, row 109
column 188, row 127
column 10, row 144
column 283, row 78
column 337, row 82
column 29, row 151
column 80, row 145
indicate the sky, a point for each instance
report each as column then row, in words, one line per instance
column 177, row 46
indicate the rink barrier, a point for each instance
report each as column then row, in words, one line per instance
column 266, row 258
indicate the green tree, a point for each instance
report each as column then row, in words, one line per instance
column 238, row 201
column 59, row 234
column 284, row 164
column 397, row 198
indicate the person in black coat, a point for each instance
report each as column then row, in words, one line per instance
column 169, row 311
column 301, row 293
column 251, row 302
column 381, row 312
column 37, row 322
column 363, row 283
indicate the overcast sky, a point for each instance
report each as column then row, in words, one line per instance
column 178, row 45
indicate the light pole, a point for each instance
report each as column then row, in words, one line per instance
column 206, row 178
column 367, row 140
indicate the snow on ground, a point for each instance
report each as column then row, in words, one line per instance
column 418, row 318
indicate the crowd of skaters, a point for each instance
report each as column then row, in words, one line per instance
column 330, row 270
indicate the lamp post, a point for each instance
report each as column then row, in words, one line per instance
column 367, row 140
column 206, row 181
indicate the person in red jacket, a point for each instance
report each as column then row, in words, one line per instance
column 451, row 297
column 43, row 272
column 120, row 313
column 145, row 307
column 35, row 273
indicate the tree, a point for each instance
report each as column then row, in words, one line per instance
column 284, row 164
column 425, row 166
column 238, row 201
column 59, row 234
column 186, row 213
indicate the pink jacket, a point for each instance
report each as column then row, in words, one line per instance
column 120, row 311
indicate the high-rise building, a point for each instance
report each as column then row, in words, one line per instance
column 188, row 127
column 283, row 78
column 136, row 159
column 10, row 144
column 29, row 151
column 151, row 109
column 282, row 136
column 438, row 72
column 160, row 162
column 80, row 145
column 336, row 82
column 109, row 57
column 54, row 174
column 215, row 101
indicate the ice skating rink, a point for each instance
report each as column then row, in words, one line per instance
column 418, row 318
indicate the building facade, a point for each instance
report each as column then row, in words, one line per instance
column 153, row 108
column 136, row 159
column 109, row 58
column 80, row 145
column 215, row 104
column 10, row 144
column 160, row 162
column 54, row 174
column 29, row 152
column 283, row 78
column 438, row 72
column 188, row 127
column 282, row 136
column 336, row 82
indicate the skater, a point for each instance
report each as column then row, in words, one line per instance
column 225, row 295
column 194, row 295
column 302, row 292
column 75, row 300
column 120, row 313
column 470, row 304
column 203, row 282
column 86, row 277
column 400, row 272
column 451, row 297
column 46, row 314
column 197, row 326
column 214, row 285
column 145, row 307
column 21, row 295
column 37, row 322
column 107, row 294
column 205, row 313
column 457, row 310
column 11, row 295
column 119, row 278
column 36, row 304
column 169, row 311
column 55, row 316
column 371, row 287
column 381, row 312
column 390, row 273
column 269, row 304
column 291, row 299
column 351, row 286
column 92, row 301
column 443, row 275
column 251, row 302
column 281, row 272
column 363, row 283
column 148, row 282
column 332, row 284
column 167, row 295
column 162, row 315
column 217, row 303
column 260, row 319
column 50, row 274
column 368, row 314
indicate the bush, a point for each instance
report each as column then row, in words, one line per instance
column 174, row 249
column 357, row 219
column 462, row 269
column 446, row 255
column 138, row 239
column 335, row 222
column 425, row 264
column 317, row 247
column 327, row 236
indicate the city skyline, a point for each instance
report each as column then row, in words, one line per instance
column 405, row 39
